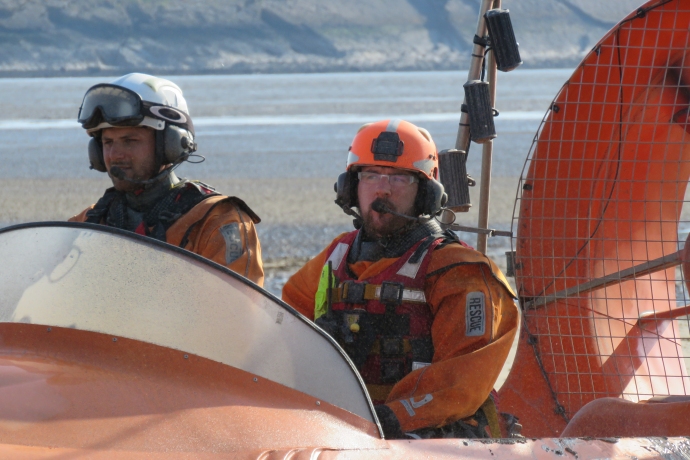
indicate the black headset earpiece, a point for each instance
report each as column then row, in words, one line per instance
column 346, row 190
column 346, row 196
column 432, row 199
column 96, row 154
column 174, row 144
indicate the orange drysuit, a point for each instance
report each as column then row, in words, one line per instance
column 465, row 366
column 221, row 229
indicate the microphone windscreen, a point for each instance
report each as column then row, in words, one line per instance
column 379, row 207
column 117, row 172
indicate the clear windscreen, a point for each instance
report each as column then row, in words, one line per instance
column 95, row 279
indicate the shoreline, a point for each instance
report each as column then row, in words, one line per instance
column 545, row 64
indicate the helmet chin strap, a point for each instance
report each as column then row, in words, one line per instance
column 358, row 220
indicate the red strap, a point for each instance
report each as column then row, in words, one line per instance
column 141, row 229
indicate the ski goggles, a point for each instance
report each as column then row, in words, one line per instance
column 118, row 106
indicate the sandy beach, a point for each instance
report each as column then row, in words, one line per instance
column 298, row 216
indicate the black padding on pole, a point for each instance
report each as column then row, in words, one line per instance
column 479, row 110
column 453, row 175
column 502, row 39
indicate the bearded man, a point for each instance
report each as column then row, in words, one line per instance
column 427, row 320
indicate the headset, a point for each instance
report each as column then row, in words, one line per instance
column 430, row 199
column 173, row 145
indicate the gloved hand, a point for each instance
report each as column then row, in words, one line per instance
column 389, row 422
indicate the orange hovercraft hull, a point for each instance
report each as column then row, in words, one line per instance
column 94, row 363
column 69, row 393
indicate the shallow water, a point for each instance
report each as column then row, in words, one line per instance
column 293, row 126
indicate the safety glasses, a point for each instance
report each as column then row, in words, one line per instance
column 395, row 180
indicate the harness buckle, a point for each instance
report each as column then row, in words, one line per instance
column 391, row 346
column 353, row 292
column 391, row 293
column 392, row 370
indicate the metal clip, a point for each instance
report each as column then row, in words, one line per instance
column 391, row 293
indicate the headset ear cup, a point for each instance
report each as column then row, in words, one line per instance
column 435, row 197
column 96, row 155
column 172, row 144
column 343, row 192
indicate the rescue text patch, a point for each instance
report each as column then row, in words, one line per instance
column 233, row 242
column 475, row 314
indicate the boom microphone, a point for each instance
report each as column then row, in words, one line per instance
column 381, row 208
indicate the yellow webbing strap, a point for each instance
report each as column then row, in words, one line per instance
column 321, row 297
column 340, row 293
column 379, row 392
column 489, row 409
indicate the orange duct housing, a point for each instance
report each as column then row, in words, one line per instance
column 603, row 191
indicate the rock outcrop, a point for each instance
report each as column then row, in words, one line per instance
column 85, row 37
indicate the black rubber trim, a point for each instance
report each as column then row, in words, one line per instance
column 185, row 253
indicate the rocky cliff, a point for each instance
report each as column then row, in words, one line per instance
column 85, row 37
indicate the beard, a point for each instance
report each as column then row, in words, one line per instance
column 122, row 185
column 386, row 224
column 131, row 177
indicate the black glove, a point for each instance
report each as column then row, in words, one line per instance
column 389, row 422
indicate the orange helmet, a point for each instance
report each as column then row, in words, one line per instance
column 394, row 144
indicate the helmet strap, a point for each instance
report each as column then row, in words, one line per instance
column 357, row 221
column 160, row 148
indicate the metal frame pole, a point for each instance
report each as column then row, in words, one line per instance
column 462, row 140
column 643, row 269
column 487, row 156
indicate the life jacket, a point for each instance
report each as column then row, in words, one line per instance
column 383, row 322
column 111, row 208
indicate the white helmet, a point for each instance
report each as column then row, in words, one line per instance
column 138, row 99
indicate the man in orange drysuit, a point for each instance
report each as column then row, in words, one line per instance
column 140, row 131
column 427, row 320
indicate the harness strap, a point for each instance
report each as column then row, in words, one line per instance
column 421, row 250
column 111, row 208
column 99, row 211
column 379, row 392
column 351, row 292
column 489, row 409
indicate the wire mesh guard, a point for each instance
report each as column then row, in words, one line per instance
column 602, row 218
